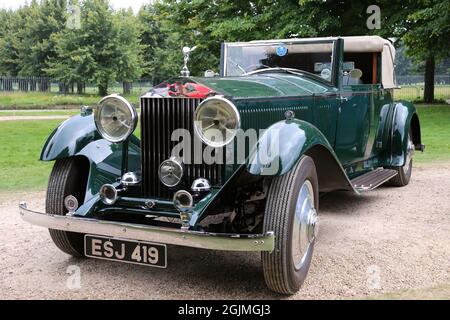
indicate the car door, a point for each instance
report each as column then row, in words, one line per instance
column 325, row 114
column 355, row 123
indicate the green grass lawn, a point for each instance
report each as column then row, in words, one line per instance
column 20, row 146
column 435, row 127
column 56, row 112
column 41, row 100
column 21, row 143
column 415, row 93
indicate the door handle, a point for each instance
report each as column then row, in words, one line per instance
column 342, row 98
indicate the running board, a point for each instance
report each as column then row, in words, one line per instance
column 373, row 179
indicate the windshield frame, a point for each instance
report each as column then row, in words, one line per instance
column 334, row 54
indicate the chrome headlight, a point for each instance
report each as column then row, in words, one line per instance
column 216, row 121
column 115, row 118
column 171, row 172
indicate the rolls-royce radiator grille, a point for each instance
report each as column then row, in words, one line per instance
column 159, row 118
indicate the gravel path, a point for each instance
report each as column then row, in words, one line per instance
column 387, row 240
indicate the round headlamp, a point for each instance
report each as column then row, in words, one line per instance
column 115, row 118
column 171, row 172
column 216, row 121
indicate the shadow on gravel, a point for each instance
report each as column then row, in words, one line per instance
column 206, row 274
column 191, row 273
column 344, row 202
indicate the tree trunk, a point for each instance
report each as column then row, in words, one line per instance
column 102, row 90
column 428, row 95
column 80, row 87
column 127, row 87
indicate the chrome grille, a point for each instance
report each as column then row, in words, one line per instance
column 159, row 118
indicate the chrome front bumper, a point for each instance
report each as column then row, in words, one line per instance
column 187, row 238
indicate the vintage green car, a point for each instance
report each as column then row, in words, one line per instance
column 234, row 161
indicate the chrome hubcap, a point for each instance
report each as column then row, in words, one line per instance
column 305, row 227
column 409, row 155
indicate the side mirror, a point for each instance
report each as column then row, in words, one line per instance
column 209, row 74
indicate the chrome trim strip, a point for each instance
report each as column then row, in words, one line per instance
column 179, row 237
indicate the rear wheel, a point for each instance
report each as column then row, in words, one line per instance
column 291, row 212
column 68, row 177
column 404, row 172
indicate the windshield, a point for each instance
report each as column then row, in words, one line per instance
column 315, row 58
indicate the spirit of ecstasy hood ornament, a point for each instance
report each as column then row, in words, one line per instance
column 186, row 51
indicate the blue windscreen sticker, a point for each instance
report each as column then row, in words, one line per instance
column 282, row 50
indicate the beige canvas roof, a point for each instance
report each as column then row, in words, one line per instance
column 376, row 44
column 356, row 44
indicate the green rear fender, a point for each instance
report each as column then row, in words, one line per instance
column 78, row 137
column 285, row 142
column 404, row 118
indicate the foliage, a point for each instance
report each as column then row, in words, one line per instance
column 429, row 30
column 10, row 41
column 207, row 24
column 104, row 49
column 426, row 38
column 37, row 46
column 118, row 45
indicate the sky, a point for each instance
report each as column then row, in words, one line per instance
column 134, row 4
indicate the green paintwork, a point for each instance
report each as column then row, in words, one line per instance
column 295, row 138
column 265, row 85
column 396, row 137
column 353, row 129
column 78, row 137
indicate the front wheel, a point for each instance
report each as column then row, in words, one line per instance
column 291, row 212
column 68, row 178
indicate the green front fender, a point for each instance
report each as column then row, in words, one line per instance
column 282, row 145
column 78, row 137
column 70, row 138
column 404, row 119
column 285, row 142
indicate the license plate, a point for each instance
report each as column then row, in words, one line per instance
column 128, row 251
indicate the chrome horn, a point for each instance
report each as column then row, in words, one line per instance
column 184, row 202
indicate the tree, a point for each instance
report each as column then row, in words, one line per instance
column 427, row 39
column 10, row 40
column 37, row 46
column 152, row 38
column 207, row 24
column 130, row 59
column 74, row 60
column 103, row 50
